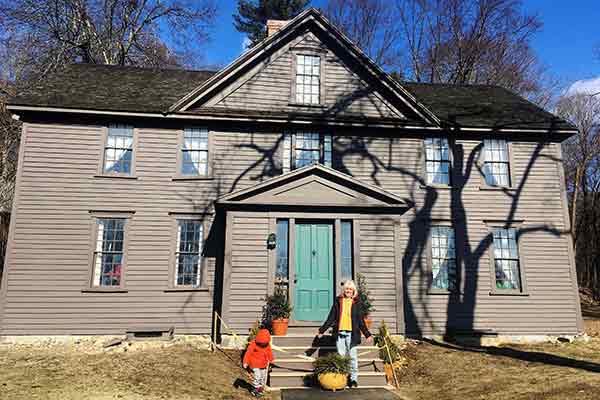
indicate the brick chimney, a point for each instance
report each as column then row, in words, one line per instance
column 273, row 25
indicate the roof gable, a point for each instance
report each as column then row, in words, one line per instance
column 314, row 185
column 361, row 84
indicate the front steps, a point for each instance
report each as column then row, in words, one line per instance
column 291, row 371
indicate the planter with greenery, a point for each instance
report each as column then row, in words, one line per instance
column 389, row 352
column 276, row 312
column 332, row 371
column 365, row 301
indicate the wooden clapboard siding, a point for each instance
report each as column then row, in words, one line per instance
column 51, row 242
column 269, row 87
column 56, row 189
column 248, row 269
column 377, row 263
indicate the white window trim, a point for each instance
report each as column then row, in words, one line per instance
column 288, row 157
column 104, row 143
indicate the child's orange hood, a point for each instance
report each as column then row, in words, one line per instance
column 263, row 336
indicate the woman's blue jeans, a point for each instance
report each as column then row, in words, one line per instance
column 344, row 348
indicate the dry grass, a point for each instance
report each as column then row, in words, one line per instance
column 546, row 371
column 178, row 372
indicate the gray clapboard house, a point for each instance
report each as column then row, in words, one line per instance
column 147, row 198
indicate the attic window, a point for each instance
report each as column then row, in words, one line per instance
column 308, row 79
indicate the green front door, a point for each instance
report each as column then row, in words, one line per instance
column 313, row 290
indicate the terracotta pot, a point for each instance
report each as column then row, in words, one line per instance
column 389, row 374
column 368, row 322
column 333, row 381
column 280, row 326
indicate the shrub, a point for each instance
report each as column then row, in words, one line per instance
column 390, row 354
column 332, row 363
column 365, row 302
column 276, row 306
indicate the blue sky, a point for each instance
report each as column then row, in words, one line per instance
column 565, row 44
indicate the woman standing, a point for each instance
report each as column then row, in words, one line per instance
column 348, row 322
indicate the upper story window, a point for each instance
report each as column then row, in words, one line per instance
column 443, row 258
column 305, row 148
column 188, row 253
column 308, row 79
column 437, row 161
column 108, row 254
column 118, row 150
column 194, row 152
column 496, row 168
column 506, row 259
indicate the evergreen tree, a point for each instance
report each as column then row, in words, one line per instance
column 251, row 18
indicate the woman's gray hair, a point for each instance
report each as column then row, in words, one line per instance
column 350, row 284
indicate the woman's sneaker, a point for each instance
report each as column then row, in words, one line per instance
column 353, row 383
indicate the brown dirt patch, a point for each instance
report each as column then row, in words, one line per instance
column 177, row 372
column 545, row 371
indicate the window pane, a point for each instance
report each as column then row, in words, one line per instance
column 346, row 242
column 189, row 252
column 108, row 256
column 437, row 161
column 506, row 259
column 496, row 165
column 327, row 156
column 119, row 149
column 443, row 257
column 282, row 270
column 307, row 79
column 195, row 151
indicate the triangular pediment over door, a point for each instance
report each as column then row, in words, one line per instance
column 314, row 186
column 266, row 77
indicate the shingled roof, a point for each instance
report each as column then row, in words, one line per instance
column 112, row 88
column 483, row 106
column 132, row 89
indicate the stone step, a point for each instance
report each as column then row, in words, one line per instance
column 278, row 380
column 317, row 351
column 300, row 365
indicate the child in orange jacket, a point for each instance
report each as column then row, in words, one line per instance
column 258, row 357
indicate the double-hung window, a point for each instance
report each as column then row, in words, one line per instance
column 496, row 166
column 108, row 254
column 305, row 148
column 118, row 150
column 506, row 259
column 194, row 152
column 437, row 161
column 308, row 79
column 188, row 253
column 443, row 258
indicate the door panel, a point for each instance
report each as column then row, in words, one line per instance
column 313, row 271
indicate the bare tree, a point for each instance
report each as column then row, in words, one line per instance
column 449, row 41
column 50, row 34
column 371, row 25
column 40, row 36
column 581, row 157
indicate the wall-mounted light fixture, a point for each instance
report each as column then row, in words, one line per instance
column 271, row 241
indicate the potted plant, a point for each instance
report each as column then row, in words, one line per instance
column 277, row 312
column 332, row 371
column 365, row 302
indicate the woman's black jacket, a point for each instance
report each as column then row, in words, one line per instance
column 358, row 322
